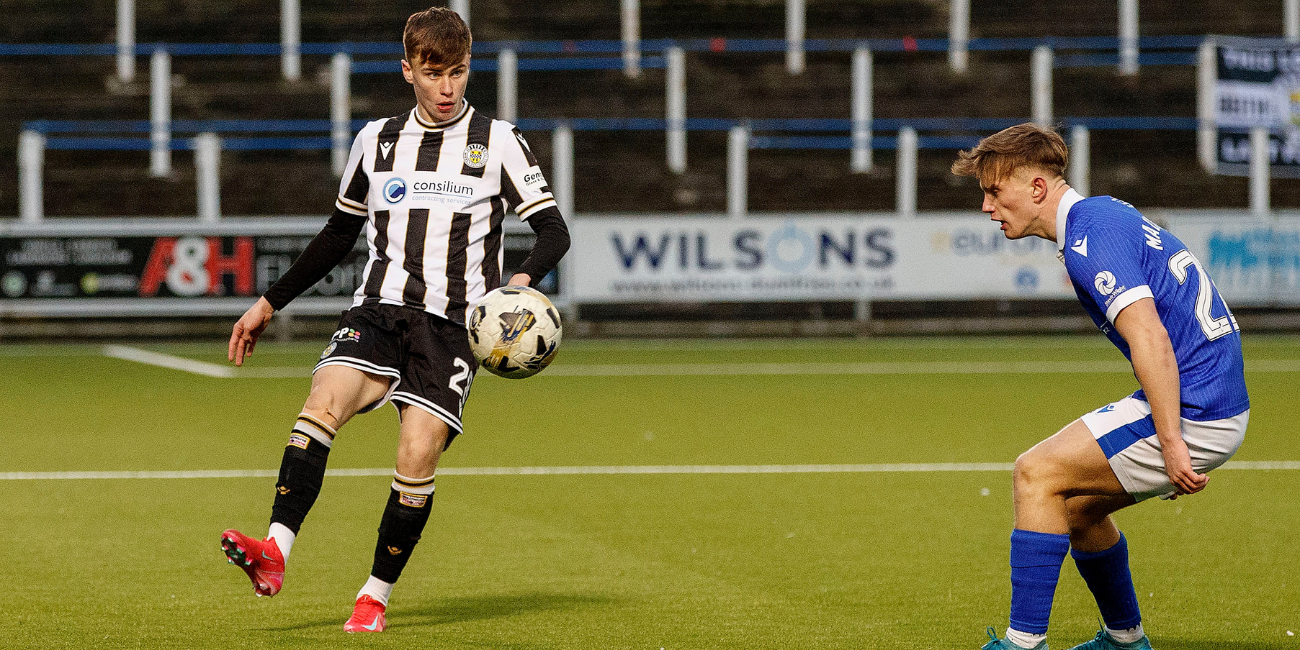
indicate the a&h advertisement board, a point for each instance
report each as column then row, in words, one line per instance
column 806, row 257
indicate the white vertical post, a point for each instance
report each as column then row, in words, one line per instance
column 861, row 111
column 905, row 177
column 1207, row 82
column 126, row 40
column 160, row 113
column 291, row 39
column 738, row 171
column 31, row 167
column 562, row 167
column 1259, row 171
column 1080, row 158
column 207, row 171
column 507, row 85
column 958, row 35
column 1042, row 85
column 794, row 34
column 1128, row 37
column 1292, row 20
column 340, row 110
column 461, row 7
column 631, row 38
column 675, row 59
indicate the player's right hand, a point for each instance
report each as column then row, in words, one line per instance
column 1178, row 466
column 249, row 327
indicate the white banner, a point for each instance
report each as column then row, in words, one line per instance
column 1258, row 86
column 1252, row 262
column 806, row 257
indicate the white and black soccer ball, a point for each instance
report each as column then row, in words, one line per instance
column 514, row 332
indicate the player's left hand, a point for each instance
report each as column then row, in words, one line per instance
column 243, row 338
column 520, row 280
column 1178, row 465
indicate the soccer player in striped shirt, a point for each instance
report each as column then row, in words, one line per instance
column 431, row 188
column 1151, row 297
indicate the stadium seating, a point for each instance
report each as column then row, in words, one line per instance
column 617, row 171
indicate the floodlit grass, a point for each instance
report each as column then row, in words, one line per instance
column 879, row 560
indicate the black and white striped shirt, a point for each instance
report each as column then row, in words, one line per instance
column 435, row 196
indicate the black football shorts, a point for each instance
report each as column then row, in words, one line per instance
column 426, row 356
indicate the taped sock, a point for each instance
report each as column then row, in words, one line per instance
column 405, row 515
column 1111, row 583
column 1035, row 568
column 302, row 471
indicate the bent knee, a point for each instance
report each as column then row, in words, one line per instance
column 1035, row 471
column 326, row 406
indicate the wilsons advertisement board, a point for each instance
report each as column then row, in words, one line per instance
column 806, row 257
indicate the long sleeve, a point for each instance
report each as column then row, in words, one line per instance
column 552, row 243
column 325, row 251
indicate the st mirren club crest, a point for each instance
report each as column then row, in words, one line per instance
column 475, row 156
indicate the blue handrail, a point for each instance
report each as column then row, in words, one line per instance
column 654, row 46
column 947, row 133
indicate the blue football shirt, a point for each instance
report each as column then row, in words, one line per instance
column 1115, row 257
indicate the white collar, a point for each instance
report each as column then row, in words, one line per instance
column 1062, row 211
column 464, row 109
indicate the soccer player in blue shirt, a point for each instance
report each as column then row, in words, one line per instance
column 1155, row 302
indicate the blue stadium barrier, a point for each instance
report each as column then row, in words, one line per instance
column 1106, row 59
column 654, row 46
column 186, row 126
column 844, row 142
column 548, row 63
column 105, row 144
column 954, row 133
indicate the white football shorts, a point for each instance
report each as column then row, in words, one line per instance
column 1127, row 435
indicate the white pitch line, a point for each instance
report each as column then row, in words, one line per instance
column 575, row 470
column 866, row 368
column 167, row 361
column 716, row 369
column 201, row 367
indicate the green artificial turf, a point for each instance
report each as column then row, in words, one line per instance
column 827, row 560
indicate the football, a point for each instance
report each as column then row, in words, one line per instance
column 514, row 332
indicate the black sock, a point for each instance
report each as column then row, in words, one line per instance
column 409, row 504
column 301, row 471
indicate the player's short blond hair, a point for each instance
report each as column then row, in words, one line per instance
column 998, row 156
column 436, row 36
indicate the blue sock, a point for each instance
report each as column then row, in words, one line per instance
column 1035, row 567
column 1108, row 577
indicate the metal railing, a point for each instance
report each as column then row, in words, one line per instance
column 213, row 136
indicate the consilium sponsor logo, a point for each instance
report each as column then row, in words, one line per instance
column 790, row 249
column 394, row 190
column 1105, row 282
column 441, row 187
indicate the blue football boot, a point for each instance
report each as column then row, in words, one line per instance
column 1002, row 644
column 1103, row 641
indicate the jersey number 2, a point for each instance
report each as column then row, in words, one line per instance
column 464, row 375
column 1212, row 327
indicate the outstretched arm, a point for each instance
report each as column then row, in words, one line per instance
column 1156, row 368
column 325, row 251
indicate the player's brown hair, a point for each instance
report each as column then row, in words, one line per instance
column 436, row 36
column 998, row 156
